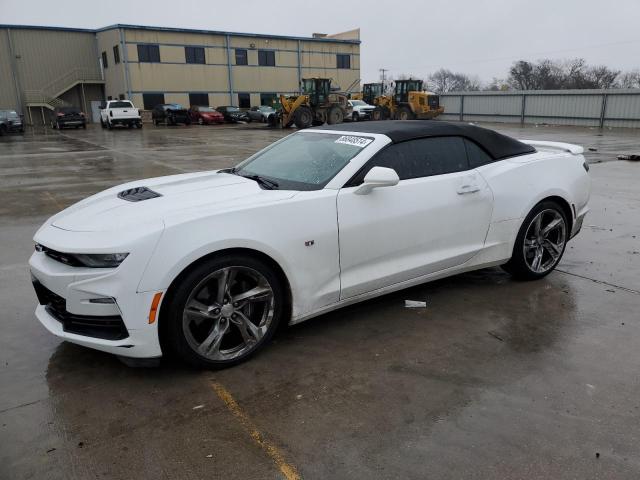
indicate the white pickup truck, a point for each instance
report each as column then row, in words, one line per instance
column 119, row 112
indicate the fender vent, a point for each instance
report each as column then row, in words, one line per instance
column 138, row 194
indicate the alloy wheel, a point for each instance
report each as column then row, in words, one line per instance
column 544, row 241
column 228, row 313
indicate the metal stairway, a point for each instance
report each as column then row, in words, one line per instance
column 49, row 95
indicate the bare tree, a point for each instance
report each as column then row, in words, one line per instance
column 522, row 76
column 445, row 80
column 552, row 75
column 630, row 79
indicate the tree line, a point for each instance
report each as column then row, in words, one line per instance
column 545, row 74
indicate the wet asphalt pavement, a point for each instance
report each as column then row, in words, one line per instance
column 494, row 379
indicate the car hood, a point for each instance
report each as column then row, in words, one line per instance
column 181, row 197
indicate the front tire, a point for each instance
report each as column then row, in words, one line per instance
column 222, row 311
column 540, row 243
column 335, row 115
column 303, row 117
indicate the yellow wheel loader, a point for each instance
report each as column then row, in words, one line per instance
column 409, row 102
column 316, row 105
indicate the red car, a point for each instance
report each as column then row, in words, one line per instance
column 205, row 115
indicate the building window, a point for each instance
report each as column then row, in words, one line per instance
column 150, row 100
column 241, row 57
column 200, row 99
column 148, row 53
column 267, row 58
column 116, row 54
column 268, row 99
column 109, row 97
column 244, row 100
column 344, row 61
column 104, row 60
column 121, row 96
column 194, row 55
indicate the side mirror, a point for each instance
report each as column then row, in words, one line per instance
column 103, row 106
column 378, row 177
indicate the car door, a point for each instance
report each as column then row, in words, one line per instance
column 435, row 218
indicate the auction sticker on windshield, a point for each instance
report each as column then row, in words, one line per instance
column 355, row 141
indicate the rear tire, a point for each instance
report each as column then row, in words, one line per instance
column 303, row 117
column 405, row 113
column 335, row 115
column 207, row 323
column 540, row 243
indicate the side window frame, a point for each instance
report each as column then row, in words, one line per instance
column 358, row 178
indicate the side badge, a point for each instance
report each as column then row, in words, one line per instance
column 309, row 243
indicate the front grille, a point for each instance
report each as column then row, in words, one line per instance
column 138, row 194
column 67, row 259
column 108, row 328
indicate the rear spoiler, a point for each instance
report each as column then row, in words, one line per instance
column 562, row 147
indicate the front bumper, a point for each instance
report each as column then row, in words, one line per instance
column 76, row 122
column 125, row 121
column 99, row 308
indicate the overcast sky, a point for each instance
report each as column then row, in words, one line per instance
column 481, row 37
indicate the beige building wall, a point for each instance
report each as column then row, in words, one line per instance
column 9, row 96
column 114, row 74
column 173, row 77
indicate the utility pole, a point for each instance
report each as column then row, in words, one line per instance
column 383, row 71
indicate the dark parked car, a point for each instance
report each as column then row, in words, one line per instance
column 205, row 115
column 68, row 117
column 171, row 114
column 233, row 114
column 261, row 113
column 10, row 121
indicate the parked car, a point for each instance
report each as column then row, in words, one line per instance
column 261, row 113
column 233, row 114
column 10, row 121
column 68, row 117
column 206, row 265
column 205, row 115
column 361, row 110
column 119, row 112
column 170, row 114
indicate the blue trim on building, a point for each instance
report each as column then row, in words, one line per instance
column 182, row 30
column 231, row 34
column 38, row 27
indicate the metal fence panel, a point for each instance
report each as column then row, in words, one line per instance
column 610, row 108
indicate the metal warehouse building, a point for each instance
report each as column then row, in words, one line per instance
column 45, row 67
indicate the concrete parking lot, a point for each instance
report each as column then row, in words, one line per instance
column 494, row 379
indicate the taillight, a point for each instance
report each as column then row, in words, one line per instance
column 82, row 114
column 60, row 114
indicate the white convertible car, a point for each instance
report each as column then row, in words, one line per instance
column 206, row 265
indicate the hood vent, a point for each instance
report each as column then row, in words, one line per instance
column 138, row 194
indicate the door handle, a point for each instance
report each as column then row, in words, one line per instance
column 470, row 188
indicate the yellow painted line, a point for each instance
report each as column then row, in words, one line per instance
column 53, row 200
column 288, row 471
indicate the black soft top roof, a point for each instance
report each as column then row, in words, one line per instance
column 494, row 143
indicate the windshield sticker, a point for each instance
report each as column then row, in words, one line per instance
column 360, row 142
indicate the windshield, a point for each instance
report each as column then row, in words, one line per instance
column 357, row 102
column 304, row 161
column 205, row 109
column 174, row 105
column 120, row 105
column 232, row 109
column 12, row 114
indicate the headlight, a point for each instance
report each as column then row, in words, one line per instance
column 100, row 260
column 91, row 260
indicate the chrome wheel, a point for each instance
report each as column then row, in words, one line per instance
column 228, row 313
column 544, row 241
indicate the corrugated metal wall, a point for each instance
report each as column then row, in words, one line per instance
column 598, row 108
column 45, row 55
